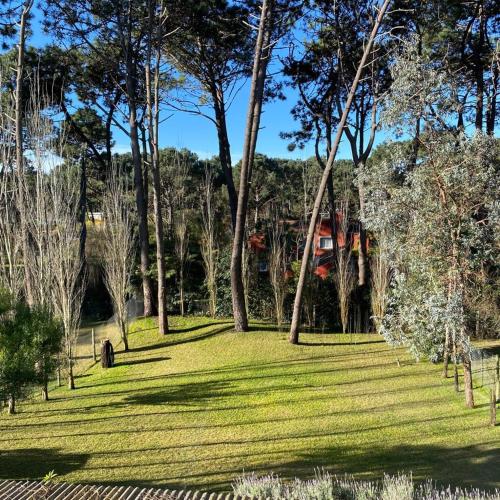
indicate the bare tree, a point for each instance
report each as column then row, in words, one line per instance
column 19, row 110
column 278, row 265
column 35, row 196
column 11, row 258
column 294, row 328
column 209, row 246
column 344, row 277
column 380, row 278
column 56, row 268
column 177, row 179
column 68, row 284
column 119, row 247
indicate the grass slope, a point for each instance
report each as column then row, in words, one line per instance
column 198, row 407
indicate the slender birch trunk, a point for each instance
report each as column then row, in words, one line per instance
column 294, row 329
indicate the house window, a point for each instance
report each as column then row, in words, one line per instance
column 262, row 267
column 325, row 243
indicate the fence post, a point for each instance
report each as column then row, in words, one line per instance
column 482, row 369
column 93, row 346
column 497, row 379
column 493, row 408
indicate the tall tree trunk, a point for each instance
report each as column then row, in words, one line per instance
column 83, row 211
column 45, row 390
column 468, row 388
column 58, row 372
column 261, row 59
column 362, row 248
column 331, row 210
column 492, row 101
column 455, row 368
column 159, row 236
column 225, row 151
column 12, row 405
column 153, row 112
column 145, row 163
column 479, row 69
column 109, row 122
column 446, row 353
column 147, row 286
column 294, row 328
column 181, row 289
column 71, row 378
column 123, row 330
column 19, row 110
column 330, row 187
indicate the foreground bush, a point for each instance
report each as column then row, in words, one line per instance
column 327, row 487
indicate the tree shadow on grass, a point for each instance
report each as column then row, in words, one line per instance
column 142, row 361
column 335, row 344
column 469, row 466
column 141, row 330
column 200, row 326
column 187, row 340
column 34, row 463
column 466, row 467
column 188, row 394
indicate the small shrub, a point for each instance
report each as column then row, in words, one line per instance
column 50, row 476
column 327, row 487
column 251, row 485
column 319, row 488
column 398, row 487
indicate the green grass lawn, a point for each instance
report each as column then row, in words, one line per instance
column 203, row 404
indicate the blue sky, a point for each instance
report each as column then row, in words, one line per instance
column 183, row 130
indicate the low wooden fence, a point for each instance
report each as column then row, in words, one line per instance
column 40, row 490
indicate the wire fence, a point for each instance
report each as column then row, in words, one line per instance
column 486, row 376
column 486, row 368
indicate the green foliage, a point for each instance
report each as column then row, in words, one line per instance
column 50, row 476
column 46, row 343
column 224, row 307
column 260, row 296
column 17, row 363
column 30, row 340
column 438, row 230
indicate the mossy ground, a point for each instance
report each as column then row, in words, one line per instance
column 200, row 406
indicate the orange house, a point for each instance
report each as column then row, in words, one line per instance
column 323, row 244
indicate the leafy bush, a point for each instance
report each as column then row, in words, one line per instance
column 224, row 306
column 30, row 340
